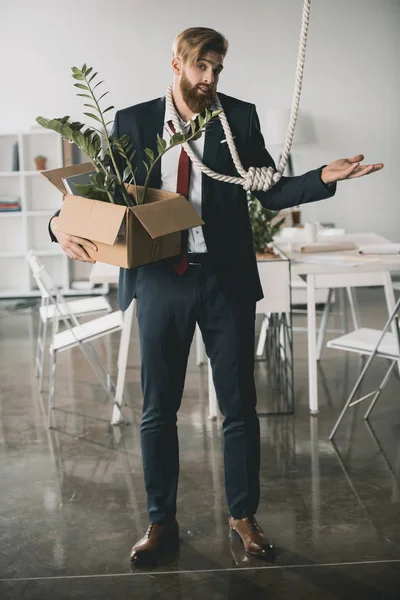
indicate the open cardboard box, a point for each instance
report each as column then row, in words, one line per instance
column 125, row 237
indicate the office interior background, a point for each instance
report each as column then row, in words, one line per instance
column 72, row 497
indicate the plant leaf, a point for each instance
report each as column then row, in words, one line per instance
column 146, row 165
column 109, row 108
column 102, row 96
column 85, row 96
column 177, row 138
column 161, row 144
column 82, row 86
column 78, row 76
column 127, row 173
column 89, row 70
column 149, row 153
column 92, row 116
column 97, row 84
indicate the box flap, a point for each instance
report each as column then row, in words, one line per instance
column 91, row 219
column 167, row 216
column 55, row 176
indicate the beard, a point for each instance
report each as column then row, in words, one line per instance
column 195, row 100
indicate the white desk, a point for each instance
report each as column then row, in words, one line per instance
column 338, row 270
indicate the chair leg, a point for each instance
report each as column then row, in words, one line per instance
column 379, row 390
column 39, row 348
column 324, row 324
column 52, row 385
column 43, row 343
column 354, row 391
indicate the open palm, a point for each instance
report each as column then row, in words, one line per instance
column 348, row 168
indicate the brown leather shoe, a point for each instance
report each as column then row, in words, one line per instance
column 157, row 538
column 251, row 536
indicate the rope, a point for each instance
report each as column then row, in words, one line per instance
column 256, row 178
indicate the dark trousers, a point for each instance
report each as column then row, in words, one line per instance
column 168, row 307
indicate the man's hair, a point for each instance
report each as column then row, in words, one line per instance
column 192, row 43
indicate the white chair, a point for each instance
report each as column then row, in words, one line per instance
column 47, row 314
column 75, row 334
column 372, row 343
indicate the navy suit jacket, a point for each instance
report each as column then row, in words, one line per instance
column 227, row 229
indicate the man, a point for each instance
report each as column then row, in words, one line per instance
column 218, row 289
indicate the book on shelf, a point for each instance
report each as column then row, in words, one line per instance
column 10, row 203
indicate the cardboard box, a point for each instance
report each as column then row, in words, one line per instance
column 125, row 237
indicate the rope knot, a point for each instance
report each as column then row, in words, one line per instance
column 260, row 179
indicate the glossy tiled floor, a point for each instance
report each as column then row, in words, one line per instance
column 72, row 501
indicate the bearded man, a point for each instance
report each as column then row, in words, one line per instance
column 214, row 283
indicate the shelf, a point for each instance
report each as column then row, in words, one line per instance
column 37, row 252
column 27, row 228
column 12, row 255
column 17, row 173
column 28, row 213
column 50, row 253
column 11, row 214
column 40, row 213
column 38, row 131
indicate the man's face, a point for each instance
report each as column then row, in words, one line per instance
column 198, row 82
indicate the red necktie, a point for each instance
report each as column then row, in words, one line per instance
column 182, row 187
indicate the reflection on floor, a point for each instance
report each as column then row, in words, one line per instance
column 72, row 501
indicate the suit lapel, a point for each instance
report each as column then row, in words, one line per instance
column 212, row 143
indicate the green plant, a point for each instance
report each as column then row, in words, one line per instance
column 265, row 223
column 108, row 183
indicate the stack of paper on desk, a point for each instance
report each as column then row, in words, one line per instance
column 328, row 247
column 379, row 249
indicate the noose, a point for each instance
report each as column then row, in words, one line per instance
column 256, row 178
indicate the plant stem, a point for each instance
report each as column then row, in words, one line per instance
column 117, row 173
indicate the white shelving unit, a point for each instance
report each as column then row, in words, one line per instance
column 27, row 229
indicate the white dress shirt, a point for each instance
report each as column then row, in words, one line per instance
column 169, row 176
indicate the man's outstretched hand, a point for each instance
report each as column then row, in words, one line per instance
column 347, row 168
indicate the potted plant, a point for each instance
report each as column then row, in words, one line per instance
column 40, row 162
column 110, row 183
column 265, row 224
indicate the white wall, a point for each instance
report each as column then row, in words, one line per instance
column 351, row 83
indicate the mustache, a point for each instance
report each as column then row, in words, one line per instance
column 210, row 88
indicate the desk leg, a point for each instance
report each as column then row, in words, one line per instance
column 212, row 396
column 122, row 362
column 312, row 345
